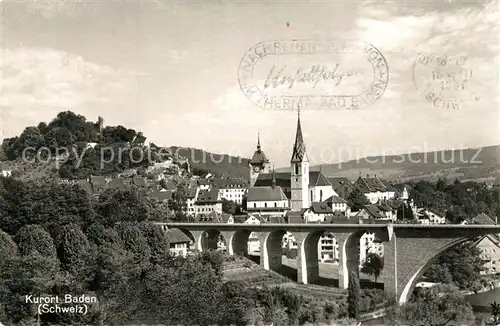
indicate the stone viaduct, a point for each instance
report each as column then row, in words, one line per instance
column 408, row 248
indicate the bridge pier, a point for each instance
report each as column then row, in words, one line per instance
column 348, row 256
column 236, row 242
column 270, row 250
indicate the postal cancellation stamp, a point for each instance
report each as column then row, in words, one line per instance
column 445, row 81
column 313, row 74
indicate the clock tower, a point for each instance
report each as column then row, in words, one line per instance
column 258, row 164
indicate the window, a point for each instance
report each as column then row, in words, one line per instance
column 311, row 195
column 321, row 195
column 297, row 169
column 254, row 205
column 275, row 204
column 265, row 205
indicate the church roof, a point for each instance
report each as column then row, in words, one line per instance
column 317, row 178
column 258, row 156
column 283, row 179
column 299, row 148
column 266, row 193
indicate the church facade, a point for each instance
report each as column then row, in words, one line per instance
column 301, row 186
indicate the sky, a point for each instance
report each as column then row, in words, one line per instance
column 171, row 69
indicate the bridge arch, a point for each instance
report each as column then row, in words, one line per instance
column 237, row 242
column 410, row 281
column 271, row 250
column 204, row 240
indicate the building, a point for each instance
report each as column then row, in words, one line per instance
column 191, row 196
column 259, row 163
column 490, row 253
column 267, row 200
column 374, row 189
column 426, row 216
column 231, row 189
column 379, row 212
column 369, row 244
column 336, row 203
column 342, row 186
column 328, row 249
column 208, row 201
column 178, row 241
column 317, row 212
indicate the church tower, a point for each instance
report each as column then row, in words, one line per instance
column 258, row 164
column 299, row 179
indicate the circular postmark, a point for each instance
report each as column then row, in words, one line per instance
column 444, row 80
column 313, row 74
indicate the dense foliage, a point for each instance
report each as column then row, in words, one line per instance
column 440, row 305
column 459, row 265
column 457, row 201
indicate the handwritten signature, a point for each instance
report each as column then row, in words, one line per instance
column 314, row 75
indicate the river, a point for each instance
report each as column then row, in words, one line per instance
column 480, row 302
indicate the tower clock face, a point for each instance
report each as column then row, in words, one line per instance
column 256, row 169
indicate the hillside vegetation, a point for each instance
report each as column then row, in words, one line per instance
column 72, row 147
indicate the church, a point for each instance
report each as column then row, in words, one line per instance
column 272, row 193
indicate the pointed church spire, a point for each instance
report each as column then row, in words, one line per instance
column 299, row 148
column 273, row 185
column 258, row 141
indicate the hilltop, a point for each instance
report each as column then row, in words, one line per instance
column 73, row 147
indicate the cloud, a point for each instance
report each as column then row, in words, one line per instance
column 39, row 83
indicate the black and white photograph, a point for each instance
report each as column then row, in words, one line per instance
column 239, row 162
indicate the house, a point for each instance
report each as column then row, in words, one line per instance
column 178, row 241
column 403, row 192
column 342, row 186
column 203, row 184
column 317, row 212
column 379, row 211
column 337, row 203
column 490, row 253
column 161, row 196
column 426, row 216
column 208, row 201
column 374, row 189
column 368, row 243
column 328, row 248
column 231, row 189
column 191, row 195
column 267, row 200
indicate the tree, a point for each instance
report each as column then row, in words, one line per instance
column 178, row 203
column 30, row 137
column 354, row 295
column 135, row 242
column 33, row 239
column 75, row 253
column 495, row 312
column 8, row 248
column 123, row 205
column 462, row 263
column 373, row 265
column 157, row 241
column 229, row 206
column 357, row 200
column 439, row 305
